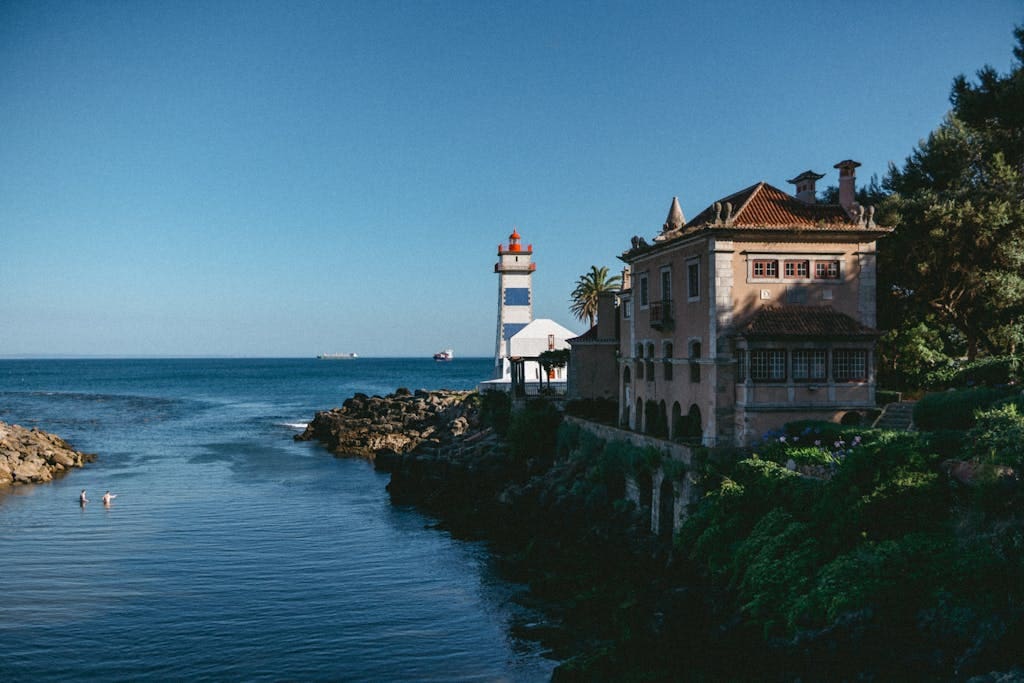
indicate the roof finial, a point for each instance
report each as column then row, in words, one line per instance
column 675, row 219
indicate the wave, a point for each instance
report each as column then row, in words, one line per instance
column 297, row 426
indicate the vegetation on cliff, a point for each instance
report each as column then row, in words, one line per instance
column 893, row 561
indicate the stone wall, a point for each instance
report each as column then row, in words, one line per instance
column 683, row 488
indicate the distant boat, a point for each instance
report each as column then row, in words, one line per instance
column 445, row 355
column 336, row 356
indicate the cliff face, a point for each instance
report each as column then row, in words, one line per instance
column 369, row 426
column 31, row 456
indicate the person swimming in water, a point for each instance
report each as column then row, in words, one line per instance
column 108, row 496
column 82, row 499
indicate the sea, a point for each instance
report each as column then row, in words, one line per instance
column 232, row 552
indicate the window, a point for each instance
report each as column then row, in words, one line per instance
column 650, row 362
column 826, row 270
column 640, row 361
column 668, row 361
column 809, row 365
column 849, row 365
column 627, row 308
column 693, row 280
column 768, row 366
column 798, row 269
column 643, row 291
column 694, row 366
column 666, row 284
column 766, row 269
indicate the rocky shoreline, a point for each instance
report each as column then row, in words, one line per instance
column 32, row 456
column 620, row 604
column 374, row 426
column 551, row 522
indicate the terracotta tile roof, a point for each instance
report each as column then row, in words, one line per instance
column 804, row 321
column 590, row 337
column 763, row 207
column 767, row 207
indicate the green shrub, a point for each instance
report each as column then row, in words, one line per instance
column 773, row 567
column 496, row 411
column 998, row 436
column 890, row 576
column 947, row 443
column 992, row 371
column 533, row 431
column 955, row 409
column 884, row 397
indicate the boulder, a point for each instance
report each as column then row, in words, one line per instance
column 395, row 424
column 31, row 456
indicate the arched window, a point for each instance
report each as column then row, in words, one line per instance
column 668, row 361
column 666, row 510
column 694, row 365
column 678, row 423
column 627, row 398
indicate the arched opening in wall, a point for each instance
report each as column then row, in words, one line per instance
column 693, row 427
column 649, row 362
column 666, row 510
column 662, row 426
column 677, row 421
column 646, row 486
column 852, row 418
column 639, row 424
column 651, row 417
column 616, row 483
column 627, row 395
column 667, row 361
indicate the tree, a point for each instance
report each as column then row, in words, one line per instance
column 552, row 360
column 996, row 105
column 958, row 208
column 589, row 287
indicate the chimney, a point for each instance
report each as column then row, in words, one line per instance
column 805, row 182
column 847, row 183
column 606, row 315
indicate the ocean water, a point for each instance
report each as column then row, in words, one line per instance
column 232, row 552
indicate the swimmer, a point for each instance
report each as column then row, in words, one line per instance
column 81, row 498
column 108, row 496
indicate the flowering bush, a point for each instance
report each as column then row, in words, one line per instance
column 815, row 444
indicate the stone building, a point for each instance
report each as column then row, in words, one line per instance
column 758, row 311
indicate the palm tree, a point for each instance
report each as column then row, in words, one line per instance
column 588, row 288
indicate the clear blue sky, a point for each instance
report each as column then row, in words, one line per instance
column 287, row 178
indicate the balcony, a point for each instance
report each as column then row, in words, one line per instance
column 661, row 314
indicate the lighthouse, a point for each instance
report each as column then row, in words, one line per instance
column 515, row 295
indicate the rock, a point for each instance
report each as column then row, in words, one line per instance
column 395, row 424
column 30, row 456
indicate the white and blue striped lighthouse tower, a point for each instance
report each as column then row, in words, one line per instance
column 515, row 296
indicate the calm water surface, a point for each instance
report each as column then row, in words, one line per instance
column 232, row 552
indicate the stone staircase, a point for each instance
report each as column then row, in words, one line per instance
column 897, row 416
